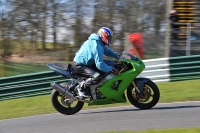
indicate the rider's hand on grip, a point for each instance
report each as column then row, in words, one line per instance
column 115, row 71
column 118, row 56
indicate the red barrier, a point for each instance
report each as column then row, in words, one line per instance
column 137, row 42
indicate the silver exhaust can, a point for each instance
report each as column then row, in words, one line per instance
column 62, row 90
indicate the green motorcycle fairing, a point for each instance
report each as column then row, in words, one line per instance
column 126, row 78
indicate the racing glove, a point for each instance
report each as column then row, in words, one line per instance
column 115, row 71
column 118, row 56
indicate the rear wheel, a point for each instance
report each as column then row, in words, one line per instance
column 61, row 104
column 150, row 98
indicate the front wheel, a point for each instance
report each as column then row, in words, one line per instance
column 150, row 98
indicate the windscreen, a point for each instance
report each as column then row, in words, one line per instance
column 128, row 55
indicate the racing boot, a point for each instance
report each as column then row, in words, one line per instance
column 81, row 90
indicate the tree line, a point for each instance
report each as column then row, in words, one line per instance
column 72, row 21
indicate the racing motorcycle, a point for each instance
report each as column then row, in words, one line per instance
column 141, row 92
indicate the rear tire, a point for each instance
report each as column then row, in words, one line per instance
column 138, row 102
column 57, row 102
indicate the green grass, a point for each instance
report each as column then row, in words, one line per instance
column 25, row 48
column 12, row 69
column 170, row 92
column 177, row 130
column 187, row 90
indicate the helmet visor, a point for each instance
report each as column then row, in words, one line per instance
column 110, row 39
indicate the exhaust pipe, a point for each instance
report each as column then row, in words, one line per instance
column 62, row 90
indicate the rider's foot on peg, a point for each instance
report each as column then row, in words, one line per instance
column 81, row 93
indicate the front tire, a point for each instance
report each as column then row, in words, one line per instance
column 61, row 106
column 151, row 96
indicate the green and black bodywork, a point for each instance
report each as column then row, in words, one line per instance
column 136, row 66
column 141, row 92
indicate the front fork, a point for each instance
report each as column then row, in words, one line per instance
column 140, row 85
column 138, row 90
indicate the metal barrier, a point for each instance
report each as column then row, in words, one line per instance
column 158, row 70
column 172, row 69
column 27, row 85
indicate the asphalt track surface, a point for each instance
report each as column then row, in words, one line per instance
column 162, row 116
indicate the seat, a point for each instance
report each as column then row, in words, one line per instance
column 69, row 68
column 66, row 67
column 75, row 73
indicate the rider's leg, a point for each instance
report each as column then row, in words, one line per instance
column 94, row 78
column 94, row 75
column 110, row 63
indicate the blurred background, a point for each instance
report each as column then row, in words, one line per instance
column 35, row 32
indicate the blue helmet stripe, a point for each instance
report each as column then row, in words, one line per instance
column 108, row 31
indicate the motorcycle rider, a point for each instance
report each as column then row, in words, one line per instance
column 89, row 59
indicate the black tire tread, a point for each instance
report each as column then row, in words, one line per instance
column 62, row 109
column 148, row 105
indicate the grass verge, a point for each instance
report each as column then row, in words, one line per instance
column 187, row 90
column 12, row 69
column 177, row 130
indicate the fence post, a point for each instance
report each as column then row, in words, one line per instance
column 167, row 36
column 67, row 54
column 188, row 42
column 3, row 68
